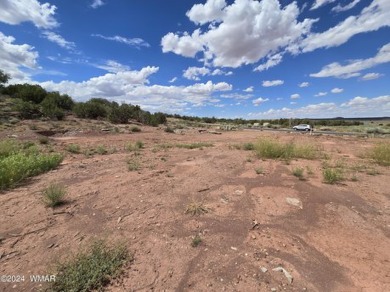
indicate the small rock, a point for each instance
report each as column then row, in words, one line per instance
column 274, row 289
column 233, row 248
column 119, row 220
column 238, row 192
column 264, row 269
column 286, row 274
column 294, row 202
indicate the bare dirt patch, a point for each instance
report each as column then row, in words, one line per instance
column 334, row 238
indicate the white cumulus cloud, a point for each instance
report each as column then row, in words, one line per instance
column 355, row 107
column 337, row 90
column 372, row 17
column 304, row 84
column 353, row 68
column 16, row 11
column 259, row 101
column 269, row 83
column 249, row 89
column 14, row 57
column 321, row 93
column 97, row 3
column 241, row 33
column 295, row 96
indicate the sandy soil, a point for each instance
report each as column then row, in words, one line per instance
column 327, row 237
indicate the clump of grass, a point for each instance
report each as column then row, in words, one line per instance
column 259, row 170
column 270, row 148
column 169, row 130
column 196, row 240
column 332, row 175
column 194, row 145
column 92, row 269
column 298, row 172
column 101, row 149
column 309, row 171
column 133, row 164
column 43, row 140
column 248, row 146
column 8, row 147
column 73, row 148
column 196, row 208
column 354, row 178
column 381, row 154
column 53, row 195
column 135, row 129
column 19, row 166
column 134, row 147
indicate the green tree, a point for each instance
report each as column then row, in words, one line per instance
column 4, row 78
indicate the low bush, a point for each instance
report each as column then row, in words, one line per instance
column 19, row 166
column 381, row 153
column 195, row 145
column 92, row 269
column 332, row 175
column 53, row 195
column 269, row 148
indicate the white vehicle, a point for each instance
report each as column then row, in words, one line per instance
column 302, row 127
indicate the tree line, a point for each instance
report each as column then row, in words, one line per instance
column 32, row 101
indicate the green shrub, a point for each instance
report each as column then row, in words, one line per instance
column 53, row 195
column 195, row 145
column 134, row 147
column 73, row 148
column 43, row 140
column 169, row 130
column 27, row 109
column 269, row 148
column 133, row 164
column 92, row 269
column 8, row 147
column 135, row 129
column 196, row 240
column 248, row 146
column 16, row 167
column 381, row 153
column 332, row 175
column 298, row 172
column 101, row 150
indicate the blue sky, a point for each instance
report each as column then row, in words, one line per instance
column 238, row 59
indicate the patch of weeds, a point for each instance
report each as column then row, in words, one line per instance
column 133, row 164
column 21, row 165
column 309, row 171
column 43, row 140
column 92, row 269
column 259, row 170
column 8, row 147
column 169, row 130
column 73, row 148
column 235, row 146
column 135, row 129
column 101, row 149
column 53, row 195
column 298, row 172
column 196, row 208
column 372, row 171
column 248, row 159
column 196, row 240
column 89, row 152
column 33, row 127
column 248, row 146
column 332, row 175
column 270, row 148
column 195, row 145
column 354, row 178
column 134, row 147
column 381, row 153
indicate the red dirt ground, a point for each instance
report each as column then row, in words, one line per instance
column 335, row 239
